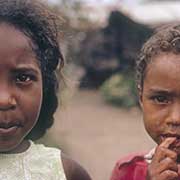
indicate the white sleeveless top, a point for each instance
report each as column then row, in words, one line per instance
column 36, row 163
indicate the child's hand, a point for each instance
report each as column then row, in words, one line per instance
column 163, row 165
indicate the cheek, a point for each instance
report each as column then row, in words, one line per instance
column 154, row 121
column 30, row 104
column 36, row 103
column 35, row 106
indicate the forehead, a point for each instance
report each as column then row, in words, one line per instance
column 165, row 62
column 14, row 43
column 164, row 70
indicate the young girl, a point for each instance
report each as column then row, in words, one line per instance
column 158, row 80
column 29, row 57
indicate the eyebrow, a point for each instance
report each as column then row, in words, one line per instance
column 161, row 91
column 26, row 68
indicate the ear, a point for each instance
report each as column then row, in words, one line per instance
column 140, row 95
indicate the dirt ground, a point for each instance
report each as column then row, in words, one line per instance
column 97, row 134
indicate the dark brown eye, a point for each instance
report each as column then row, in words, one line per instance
column 161, row 99
column 23, row 78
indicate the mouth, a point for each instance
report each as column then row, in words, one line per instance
column 9, row 128
column 9, row 125
column 175, row 146
column 164, row 136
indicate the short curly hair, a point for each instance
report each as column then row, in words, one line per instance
column 166, row 39
column 41, row 25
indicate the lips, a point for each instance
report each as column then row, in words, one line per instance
column 175, row 146
column 9, row 129
column 10, row 125
column 177, row 136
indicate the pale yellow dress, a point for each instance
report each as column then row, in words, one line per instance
column 36, row 163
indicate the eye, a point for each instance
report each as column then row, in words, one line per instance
column 23, row 78
column 161, row 99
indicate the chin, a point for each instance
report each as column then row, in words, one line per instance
column 9, row 146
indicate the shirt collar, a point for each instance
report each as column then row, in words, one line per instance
column 148, row 157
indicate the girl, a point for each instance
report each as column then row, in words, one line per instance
column 158, row 80
column 29, row 56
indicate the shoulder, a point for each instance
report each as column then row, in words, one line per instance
column 55, row 159
column 73, row 170
column 130, row 166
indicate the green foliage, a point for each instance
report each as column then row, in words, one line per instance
column 120, row 89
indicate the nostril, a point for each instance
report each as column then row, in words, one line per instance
column 7, row 103
column 174, row 126
column 174, row 123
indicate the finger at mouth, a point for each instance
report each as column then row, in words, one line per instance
column 168, row 142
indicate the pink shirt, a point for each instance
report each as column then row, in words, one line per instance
column 133, row 167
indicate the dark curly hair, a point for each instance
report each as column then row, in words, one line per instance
column 166, row 39
column 41, row 25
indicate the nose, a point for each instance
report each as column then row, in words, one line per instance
column 174, row 115
column 7, row 100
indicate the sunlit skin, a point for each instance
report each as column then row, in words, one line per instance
column 160, row 102
column 20, row 89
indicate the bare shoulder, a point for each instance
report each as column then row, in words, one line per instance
column 73, row 170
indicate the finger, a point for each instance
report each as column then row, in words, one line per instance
column 166, row 164
column 168, row 175
column 162, row 153
column 178, row 169
column 167, row 142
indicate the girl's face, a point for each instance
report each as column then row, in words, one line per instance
column 160, row 97
column 20, row 88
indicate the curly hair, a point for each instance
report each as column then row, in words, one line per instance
column 166, row 39
column 41, row 25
